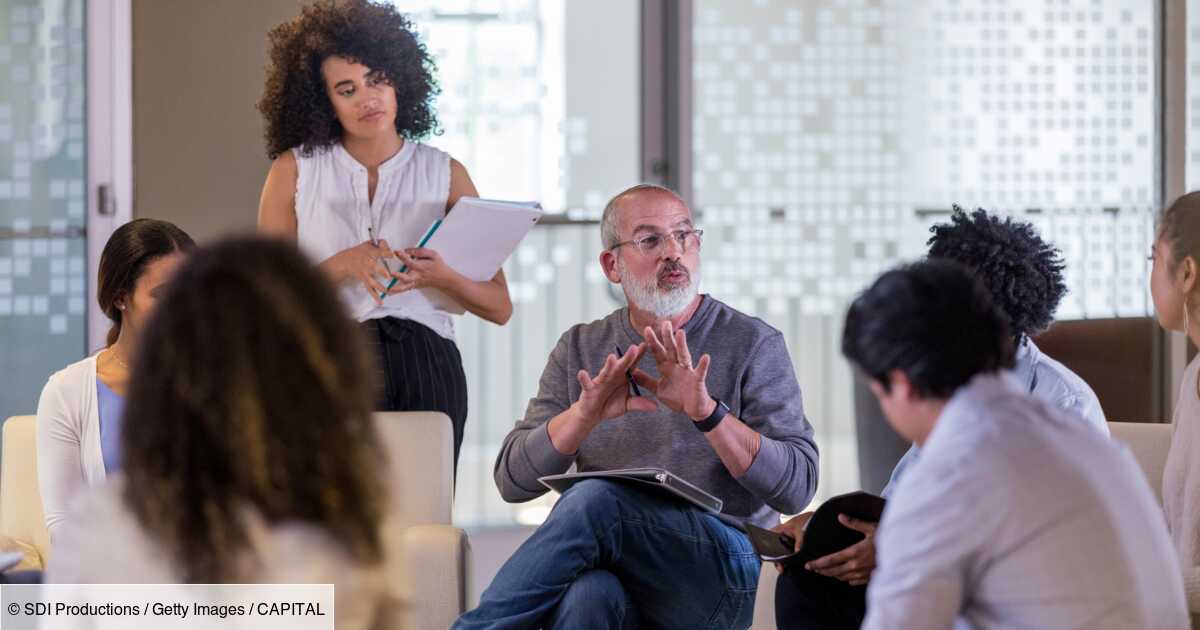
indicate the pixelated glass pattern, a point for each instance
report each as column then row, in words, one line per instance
column 43, row 257
column 829, row 136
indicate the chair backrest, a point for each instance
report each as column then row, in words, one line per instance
column 1119, row 358
column 417, row 446
column 421, row 462
column 879, row 446
column 1149, row 443
column 21, row 515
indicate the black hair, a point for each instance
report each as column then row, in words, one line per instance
column 1179, row 227
column 294, row 103
column 1023, row 273
column 932, row 320
column 130, row 249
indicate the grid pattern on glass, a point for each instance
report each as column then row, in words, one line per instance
column 830, row 135
column 521, row 108
column 555, row 282
column 42, row 188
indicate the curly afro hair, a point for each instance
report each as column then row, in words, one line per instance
column 294, row 103
column 1023, row 272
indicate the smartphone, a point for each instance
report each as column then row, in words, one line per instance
column 770, row 546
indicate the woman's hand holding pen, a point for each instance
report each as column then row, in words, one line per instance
column 422, row 268
column 364, row 263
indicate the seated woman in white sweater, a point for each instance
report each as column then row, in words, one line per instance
column 1175, row 287
column 249, row 450
column 79, row 413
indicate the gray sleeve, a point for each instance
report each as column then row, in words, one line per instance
column 527, row 452
column 784, row 473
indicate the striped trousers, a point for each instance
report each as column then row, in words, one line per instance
column 419, row 370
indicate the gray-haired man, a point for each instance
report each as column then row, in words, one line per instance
column 722, row 410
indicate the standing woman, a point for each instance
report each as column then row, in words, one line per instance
column 80, row 411
column 349, row 89
column 1175, row 287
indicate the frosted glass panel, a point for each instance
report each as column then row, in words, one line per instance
column 829, row 135
column 43, row 268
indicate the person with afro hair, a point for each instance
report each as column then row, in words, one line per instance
column 349, row 93
column 1023, row 274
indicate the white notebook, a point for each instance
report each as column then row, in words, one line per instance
column 475, row 239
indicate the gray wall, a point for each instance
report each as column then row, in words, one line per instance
column 198, row 70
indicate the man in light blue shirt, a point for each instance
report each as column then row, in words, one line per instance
column 1017, row 515
column 1024, row 275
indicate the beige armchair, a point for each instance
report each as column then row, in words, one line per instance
column 419, row 449
column 1149, row 443
column 434, row 568
column 21, row 517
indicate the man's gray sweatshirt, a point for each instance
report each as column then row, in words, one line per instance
column 751, row 372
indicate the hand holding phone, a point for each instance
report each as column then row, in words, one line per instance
column 771, row 546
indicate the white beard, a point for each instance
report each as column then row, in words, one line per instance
column 662, row 304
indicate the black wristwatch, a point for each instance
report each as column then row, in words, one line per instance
column 714, row 418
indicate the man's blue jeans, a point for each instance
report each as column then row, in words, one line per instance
column 612, row 555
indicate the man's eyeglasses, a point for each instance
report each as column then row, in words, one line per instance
column 653, row 243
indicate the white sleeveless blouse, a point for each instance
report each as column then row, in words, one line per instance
column 333, row 213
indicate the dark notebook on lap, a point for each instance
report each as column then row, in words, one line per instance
column 823, row 535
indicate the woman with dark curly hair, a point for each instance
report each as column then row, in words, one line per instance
column 1024, row 275
column 250, row 453
column 349, row 91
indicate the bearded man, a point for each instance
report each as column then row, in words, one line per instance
column 716, row 402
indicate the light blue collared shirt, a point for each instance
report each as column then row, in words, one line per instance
column 1047, row 380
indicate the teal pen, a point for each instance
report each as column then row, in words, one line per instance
column 424, row 239
column 371, row 234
